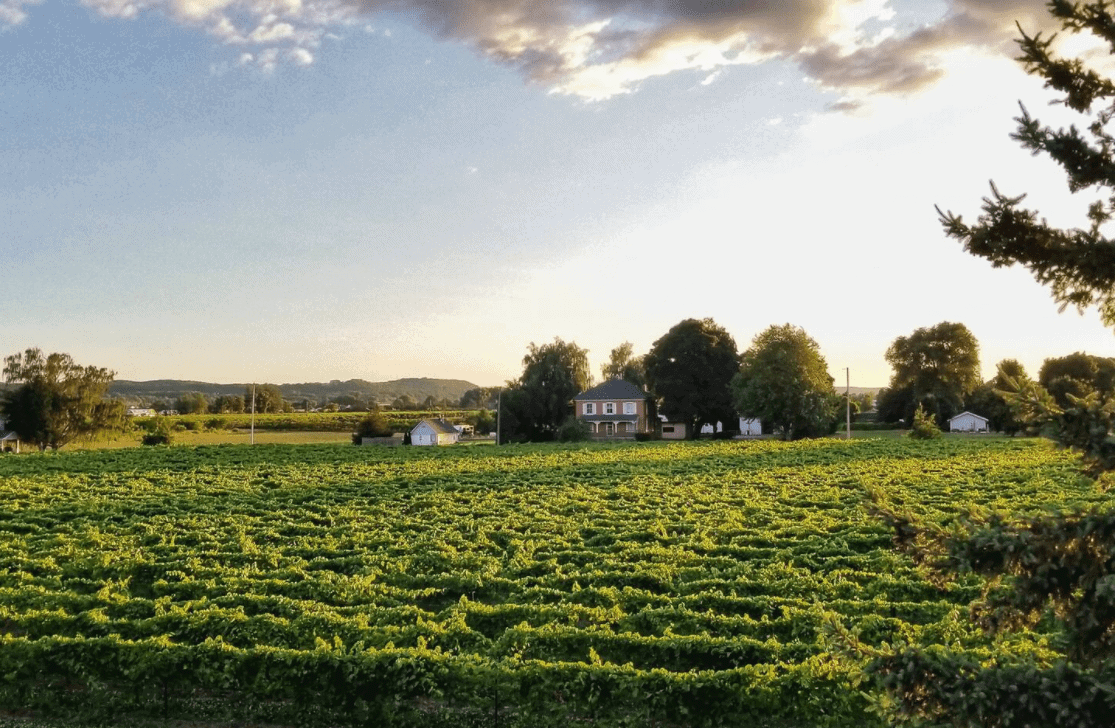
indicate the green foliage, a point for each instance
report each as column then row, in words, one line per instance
column 680, row 584
column 574, row 430
column 536, row 405
column 374, row 424
column 266, row 397
column 623, row 364
column 191, row 403
column 936, row 368
column 690, row 370
column 483, row 421
column 160, row 434
column 58, row 401
column 784, row 381
column 924, row 426
column 1077, row 375
column 226, row 404
column 1053, row 571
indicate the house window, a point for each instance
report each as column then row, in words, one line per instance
column 668, row 429
column 590, row 408
column 628, row 408
column 609, row 408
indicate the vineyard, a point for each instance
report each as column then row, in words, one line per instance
column 644, row 584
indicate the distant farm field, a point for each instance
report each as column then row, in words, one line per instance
column 627, row 584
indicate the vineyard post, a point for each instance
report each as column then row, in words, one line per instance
column 499, row 415
column 253, row 413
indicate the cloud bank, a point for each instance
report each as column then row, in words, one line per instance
column 596, row 49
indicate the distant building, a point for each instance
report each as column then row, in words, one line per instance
column 434, row 432
column 968, row 422
column 750, row 427
column 140, row 412
column 616, row 408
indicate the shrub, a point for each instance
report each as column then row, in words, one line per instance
column 160, row 435
column 924, row 427
column 216, row 423
column 574, row 430
column 374, row 424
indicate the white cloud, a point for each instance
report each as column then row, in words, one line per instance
column 12, row 12
column 597, row 49
column 301, row 56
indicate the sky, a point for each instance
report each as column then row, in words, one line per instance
column 292, row 191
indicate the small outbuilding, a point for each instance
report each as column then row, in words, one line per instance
column 968, row 422
column 9, row 440
column 434, row 432
column 750, row 427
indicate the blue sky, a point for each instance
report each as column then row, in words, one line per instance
column 278, row 191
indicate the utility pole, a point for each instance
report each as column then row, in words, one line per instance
column 499, row 414
column 848, row 402
column 253, row 413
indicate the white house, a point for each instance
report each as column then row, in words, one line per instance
column 968, row 422
column 141, row 412
column 750, row 426
column 434, row 432
column 9, row 440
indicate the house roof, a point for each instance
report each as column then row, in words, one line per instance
column 973, row 414
column 612, row 389
column 8, row 435
column 439, row 426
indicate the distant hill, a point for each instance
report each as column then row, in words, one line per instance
column 316, row 392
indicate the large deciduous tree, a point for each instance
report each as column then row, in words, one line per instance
column 268, row 398
column 623, row 364
column 536, row 405
column 57, row 400
column 784, row 381
column 935, row 367
column 690, row 370
column 1057, row 569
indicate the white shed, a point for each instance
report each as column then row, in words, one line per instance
column 968, row 422
column 750, row 426
column 434, row 432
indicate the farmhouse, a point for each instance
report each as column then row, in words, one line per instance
column 616, row 408
column 968, row 422
column 434, row 432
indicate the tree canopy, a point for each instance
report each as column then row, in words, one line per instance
column 935, row 367
column 784, row 381
column 690, row 369
column 268, row 398
column 623, row 364
column 58, row 400
column 538, row 402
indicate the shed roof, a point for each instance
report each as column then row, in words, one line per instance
column 439, row 426
column 612, row 389
column 973, row 414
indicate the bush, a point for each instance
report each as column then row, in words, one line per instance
column 374, row 424
column 215, row 423
column 642, row 436
column 574, row 430
column 160, row 435
column 924, row 427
